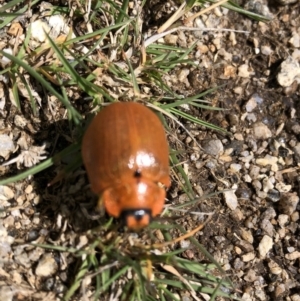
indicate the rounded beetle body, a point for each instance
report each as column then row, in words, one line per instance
column 125, row 153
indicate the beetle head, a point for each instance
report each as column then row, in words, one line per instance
column 136, row 202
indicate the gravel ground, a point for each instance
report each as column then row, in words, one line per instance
column 255, row 230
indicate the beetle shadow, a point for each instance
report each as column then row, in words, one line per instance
column 66, row 187
column 60, row 198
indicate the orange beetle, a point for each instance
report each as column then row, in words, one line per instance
column 125, row 153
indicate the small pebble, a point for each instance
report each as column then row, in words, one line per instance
column 6, row 193
column 250, row 276
column 58, row 25
column 29, row 189
column 248, row 257
column 269, row 213
column 6, row 146
column 47, row 266
column 274, row 268
column 20, row 121
column 293, row 256
column 237, row 215
column 230, row 199
column 4, row 60
column 238, row 264
column 282, row 187
column 260, row 294
column 171, row 39
column 261, row 131
column 235, row 167
column 245, row 246
column 267, row 227
column 268, row 160
column 7, row 293
column 296, row 150
column 267, row 184
column 283, row 220
column 266, row 50
column 48, row 284
column 246, row 297
column 213, row 147
column 247, row 235
column 243, row 71
column 279, row 290
column 265, row 246
column 295, row 216
column 251, row 104
column 182, row 75
column 251, row 117
column 288, row 203
column 295, row 40
column 32, row 235
column 289, row 72
column 273, row 195
column 39, row 29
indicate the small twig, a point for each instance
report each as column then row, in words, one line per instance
column 172, row 270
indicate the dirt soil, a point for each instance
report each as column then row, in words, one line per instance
column 254, row 233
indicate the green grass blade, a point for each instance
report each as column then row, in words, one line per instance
column 134, row 80
column 197, row 121
column 42, row 166
column 82, row 83
column 78, row 279
column 10, row 4
column 9, row 18
column 46, row 85
column 122, row 11
column 96, row 32
column 186, row 186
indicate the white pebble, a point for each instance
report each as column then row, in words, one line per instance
column 251, row 104
column 261, row 131
column 4, row 60
column 46, row 267
column 39, row 30
column 274, row 268
column 6, row 146
column 213, row 147
column 266, row 50
column 231, row 199
column 244, row 72
column 265, row 246
column 292, row 256
column 248, row 257
column 289, row 72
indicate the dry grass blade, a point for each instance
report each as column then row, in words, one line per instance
column 185, row 236
column 178, row 14
column 204, row 11
column 173, row 271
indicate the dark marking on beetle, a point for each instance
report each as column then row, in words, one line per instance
column 137, row 174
